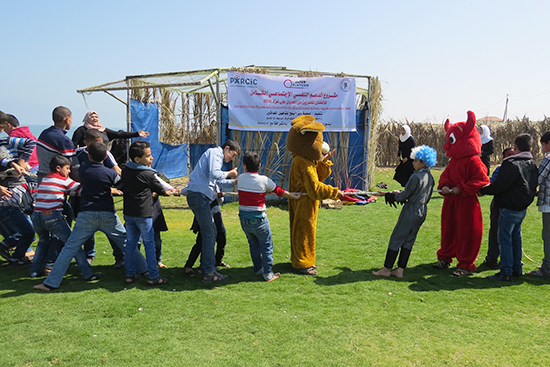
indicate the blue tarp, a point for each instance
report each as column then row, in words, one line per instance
column 168, row 159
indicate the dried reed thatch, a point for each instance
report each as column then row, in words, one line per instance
column 270, row 145
column 192, row 119
column 251, row 70
column 308, row 74
column 433, row 135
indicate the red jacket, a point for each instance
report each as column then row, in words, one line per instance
column 24, row 132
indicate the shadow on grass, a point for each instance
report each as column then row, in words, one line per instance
column 425, row 278
column 16, row 282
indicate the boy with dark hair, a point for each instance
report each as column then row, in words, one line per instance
column 48, row 219
column 543, row 202
column 97, row 213
column 81, row 155
column 514, row 190
column 53, row 141
column 201, row 191
column 139, row 183
column 252, row 189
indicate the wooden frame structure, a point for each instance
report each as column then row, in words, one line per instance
column 213, row 83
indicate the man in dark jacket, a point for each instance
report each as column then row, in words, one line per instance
column 514, row 190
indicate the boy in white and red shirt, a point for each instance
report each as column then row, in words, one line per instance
column 48, row 219
column 252, row 189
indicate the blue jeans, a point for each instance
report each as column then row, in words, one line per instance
column 258, row 233
column 48, row 248
column 545, row 267
column 86, row 225
column 200, row 205
column 17, row 230
column 158, row 246
column 509, row 240
column 136, row 226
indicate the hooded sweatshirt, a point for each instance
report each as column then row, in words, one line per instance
column 25, row 132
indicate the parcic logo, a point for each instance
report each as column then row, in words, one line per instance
column 240, row 80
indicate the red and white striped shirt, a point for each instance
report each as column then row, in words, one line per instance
column 52, row 191
column 252, row 189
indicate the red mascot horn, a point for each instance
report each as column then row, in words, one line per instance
column 471, row 122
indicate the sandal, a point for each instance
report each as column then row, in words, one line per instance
column 189, row 272
column 157, row 281
column 214, row 277
column 275, row 276
column 93, row 277
column 307, row 271
column 459, row 272
column 133, row 279
column 223, row 264
column 441, row 264
column 538, row 273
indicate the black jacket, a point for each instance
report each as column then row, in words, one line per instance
column 516, row 184
column 138, row 188
column 108, row 135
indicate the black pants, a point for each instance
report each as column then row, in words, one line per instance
column 493, row 251
column 221, row 239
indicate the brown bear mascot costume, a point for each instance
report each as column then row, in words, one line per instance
column 308, row 170
column 461, row 222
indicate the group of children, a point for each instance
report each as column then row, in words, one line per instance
column 91, row 174
column 96, row 174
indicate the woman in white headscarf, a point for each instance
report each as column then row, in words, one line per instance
column 486, row 146
column 91, row 121
column 405, row 168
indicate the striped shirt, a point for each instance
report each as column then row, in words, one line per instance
column 52, row 142
column 252, row 189
column 543, row 201
column 22, row 197
column 12, row 149
column 52, row 190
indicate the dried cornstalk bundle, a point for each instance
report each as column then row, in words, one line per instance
column 309, row 74
column 271, row 164
column 375, row 106
column 200, row 117
column 340, row 169
column 167, row 118
column 503, row 133
column 250, row 70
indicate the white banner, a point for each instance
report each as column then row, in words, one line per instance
column 259, row 102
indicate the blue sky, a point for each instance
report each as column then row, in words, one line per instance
column 436, row 59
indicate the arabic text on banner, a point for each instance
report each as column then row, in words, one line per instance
column 260, row 102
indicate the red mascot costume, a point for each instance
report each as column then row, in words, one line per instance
column 461, row 222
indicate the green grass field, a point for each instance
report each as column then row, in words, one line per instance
column 342, row 317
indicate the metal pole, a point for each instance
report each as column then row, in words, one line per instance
column 218, row 110
column 128, row 119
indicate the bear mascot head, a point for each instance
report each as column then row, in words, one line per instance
column 305, row 138
column 462, row 138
